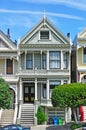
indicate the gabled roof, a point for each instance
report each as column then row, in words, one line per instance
column 82, row 34
column 44, row 21
column 7, row 41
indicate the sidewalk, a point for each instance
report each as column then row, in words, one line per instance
column 39, row 127
column 50, row 127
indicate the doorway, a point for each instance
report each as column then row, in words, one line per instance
column 29, row 92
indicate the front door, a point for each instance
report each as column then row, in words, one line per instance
column 29, row 92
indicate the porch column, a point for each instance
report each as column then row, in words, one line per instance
column 48, row 60
column 47, row 89
column 62, row 60
column 21, row 97
column 35, row 88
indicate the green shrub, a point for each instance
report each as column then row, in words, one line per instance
column 75, row 126
column 41, row 116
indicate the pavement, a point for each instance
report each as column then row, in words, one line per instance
column 50, row 127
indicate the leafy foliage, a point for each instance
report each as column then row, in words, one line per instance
column 69, row 95
column 5, row 95
column 75, row 126
column 41, row 116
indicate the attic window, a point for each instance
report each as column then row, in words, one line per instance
column 44, row 34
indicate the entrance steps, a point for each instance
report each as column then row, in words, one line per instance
column 27, row 115
column 7, row 117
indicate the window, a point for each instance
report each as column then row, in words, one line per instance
column 44, row 35
column 29, row 61
column 65, row 82
column 84, row 55
column 43, row 61
column 55, row 60
column 52, row 85
column 44, row 91
column 9, row 64
column 65, row 58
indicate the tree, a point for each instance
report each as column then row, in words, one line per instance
column 5, row 95
column 69, row 95
column 41, row 116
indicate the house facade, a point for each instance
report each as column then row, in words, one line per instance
column 81, row 56
column 42, row 60
column 9, row 68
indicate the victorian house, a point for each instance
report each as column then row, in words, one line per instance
column 44, row 62
column 9, row 71
column 81, row 56
column 41, row 61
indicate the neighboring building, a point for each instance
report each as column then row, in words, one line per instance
column 81, row 56
column 9, row 71
column 41, row 62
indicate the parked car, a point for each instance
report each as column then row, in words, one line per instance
column 14, row 127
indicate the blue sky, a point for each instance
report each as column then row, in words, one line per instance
column 21, row 15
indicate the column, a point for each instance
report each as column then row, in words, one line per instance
column 62, row 60
column 47, row 60
column 35, row 88
column 21, row 98
column 47, row 89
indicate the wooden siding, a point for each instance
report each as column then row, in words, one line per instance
column 2, row 66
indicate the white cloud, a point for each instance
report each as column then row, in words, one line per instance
column 68, row 16
column 78, row 4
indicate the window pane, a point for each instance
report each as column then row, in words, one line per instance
column 44, row 61
column 29, row 61
column 84, row 50
column 84, row 58
column 55, row 60
column 52, row 85
column 65, row 61
column 9, row 64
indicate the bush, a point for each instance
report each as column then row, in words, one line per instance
column 75, row 126
column 41, row 116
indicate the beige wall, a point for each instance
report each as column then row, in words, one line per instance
column 2, row 66
column 80, row 58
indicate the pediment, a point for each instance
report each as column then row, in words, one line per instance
column 3, row 45
column 55, row 36
column 82, row 34
column 6, row 43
